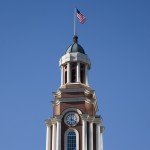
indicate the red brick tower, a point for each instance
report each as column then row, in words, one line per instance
column 75, row 125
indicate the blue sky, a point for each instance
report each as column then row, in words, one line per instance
column 34, row 34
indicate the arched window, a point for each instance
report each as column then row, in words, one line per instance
column 71, row 139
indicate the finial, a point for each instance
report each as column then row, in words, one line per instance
column 75, row 39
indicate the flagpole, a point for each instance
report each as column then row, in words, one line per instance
column 75, row 11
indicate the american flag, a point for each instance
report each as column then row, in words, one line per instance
column 81, row 17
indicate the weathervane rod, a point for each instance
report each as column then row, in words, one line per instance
column 75, row 11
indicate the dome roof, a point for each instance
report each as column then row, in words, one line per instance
column 75, row 47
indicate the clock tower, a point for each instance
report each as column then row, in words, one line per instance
column 74, row 124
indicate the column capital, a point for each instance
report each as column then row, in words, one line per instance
column 58, row 117
column 48, row 122
column 98, row 120
column 53, row 120
column 84, row 117
column 91, row 119
column 102, row 129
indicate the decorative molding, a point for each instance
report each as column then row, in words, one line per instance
column 72, row 99
column 74, row 57
column 73, row 113
column 84, row 117
column 89, row 91
column 48, row 122
column 91, row 119
column 53, row 120
column 71, row 90
column 76, row 99
column 71, row 109
column 58, row 117
column 75, row 83
column 77, row 138
column 90, row 101
column 102, row 129
column 98, row 121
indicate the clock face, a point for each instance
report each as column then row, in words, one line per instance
column 71, row 119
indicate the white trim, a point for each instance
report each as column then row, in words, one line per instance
column 78, row 72
column 77, row 99
column 71, row 109
column 74, row 57
column 75, row 90
column 77, row 138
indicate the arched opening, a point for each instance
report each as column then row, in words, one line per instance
column 82, row 73
column 73, row 72
column 65, row 74
column 71, row 139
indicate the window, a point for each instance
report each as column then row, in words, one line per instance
column 71, row 139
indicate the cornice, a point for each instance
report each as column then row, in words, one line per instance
column 88, row 91
column 71, row 90
column 90, row 101
column 73, row 57
column 76, row 99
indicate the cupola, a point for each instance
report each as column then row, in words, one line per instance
column 74, row 64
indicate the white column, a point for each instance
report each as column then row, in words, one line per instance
column 86, row 75
column 48, row 138
column 62, row 75
column 78, row 72
column 84, row 131
column 98, row 136
column 54, row 137
column 90, row 119
column 101, row 138
column 58, row 139
column 48, row 134
column 68, row 72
